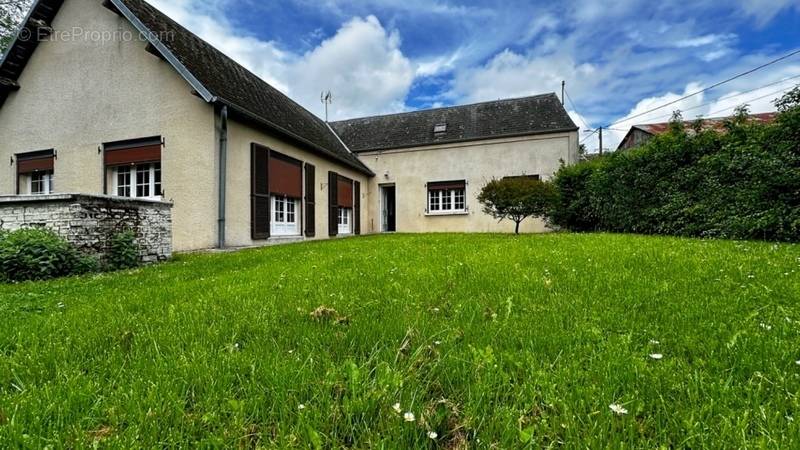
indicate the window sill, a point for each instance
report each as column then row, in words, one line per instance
column 447, row 213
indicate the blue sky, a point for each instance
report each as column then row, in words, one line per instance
column 619, row 58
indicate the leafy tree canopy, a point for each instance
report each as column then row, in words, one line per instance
column 517, row 198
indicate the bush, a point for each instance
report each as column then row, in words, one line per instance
column 516, row 199
column 124, row 251
column 743, row 183
column 39, row 254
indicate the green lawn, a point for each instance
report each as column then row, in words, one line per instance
column 490, row 341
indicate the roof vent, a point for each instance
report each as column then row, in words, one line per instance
column 440, row 128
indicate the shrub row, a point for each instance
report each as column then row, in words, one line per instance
column 38, row 254
column 741, row 183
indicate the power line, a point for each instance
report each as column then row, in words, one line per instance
column 588, row 136
column 748, row 101
column 580, row 116
column 729, row 97
column 774, row 61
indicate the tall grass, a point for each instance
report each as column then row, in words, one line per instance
column 488, row 340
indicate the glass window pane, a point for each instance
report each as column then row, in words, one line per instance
column 434, row 200
column 460, row 199
column 157, row 179
column 447, row 200
column 37, row 183
column 124, row 181
column 143, row 181
column 290, row 211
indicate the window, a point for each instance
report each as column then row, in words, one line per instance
column 138, row 181
column 284, row 216
column 447, row 197
column 345, row 220
column 41, row 183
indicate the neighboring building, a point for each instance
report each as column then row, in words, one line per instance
column 639, row 134
column 432, row 164
column 170, row 117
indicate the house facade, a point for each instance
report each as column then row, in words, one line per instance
column 137, row 106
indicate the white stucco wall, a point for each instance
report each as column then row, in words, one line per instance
column 79, row 93
column 240, row 137
column 477, row 163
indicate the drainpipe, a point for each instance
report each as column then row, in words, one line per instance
column 223, row 163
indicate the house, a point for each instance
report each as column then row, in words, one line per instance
column 113, row 97
column 639, row 134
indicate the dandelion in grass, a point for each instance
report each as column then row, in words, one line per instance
column 409, row 417
column 618, row 409
column 433, row 435
column 301, row 406
column 397, row 408
column 656, row 356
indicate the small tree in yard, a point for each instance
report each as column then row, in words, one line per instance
column 517, row 198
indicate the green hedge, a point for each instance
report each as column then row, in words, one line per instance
column 743, row 183
column 39, row 254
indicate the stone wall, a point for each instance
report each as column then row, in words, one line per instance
column 89, row 221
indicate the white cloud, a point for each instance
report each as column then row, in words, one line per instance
column 765, row 10
column 510, row 74
column 702, row 41
column 362, row 64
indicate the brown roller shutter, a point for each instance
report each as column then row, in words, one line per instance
column 35, row 162
column 333, row 207
column 285, row 176
column 344, row 192
column 132, row 152
column 311, row 185
column 443, row 185
column 357, row 208
column 259, row 192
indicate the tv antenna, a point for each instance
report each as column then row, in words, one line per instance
column 326, row 98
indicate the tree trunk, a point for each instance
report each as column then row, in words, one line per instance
column 517, row 230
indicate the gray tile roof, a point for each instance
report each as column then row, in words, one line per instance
column 241, row 89
column 226, row 81
column 503, row 118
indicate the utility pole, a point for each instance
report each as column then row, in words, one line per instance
column 563, row 91
column 601, row 140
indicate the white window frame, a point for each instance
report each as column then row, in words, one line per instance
column 438, row 197
column 344, row 220
column 133, row 181
column 285, row 220
column 47, row 182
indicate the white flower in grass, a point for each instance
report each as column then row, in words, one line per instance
column 397, row 408
column 656, row 356
column 618, row 409
column 433, row 435
column 765, row 326
column 409, row 417
column 301, row 406
column 437, row 343
column 654, row 342
column 797, row 362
